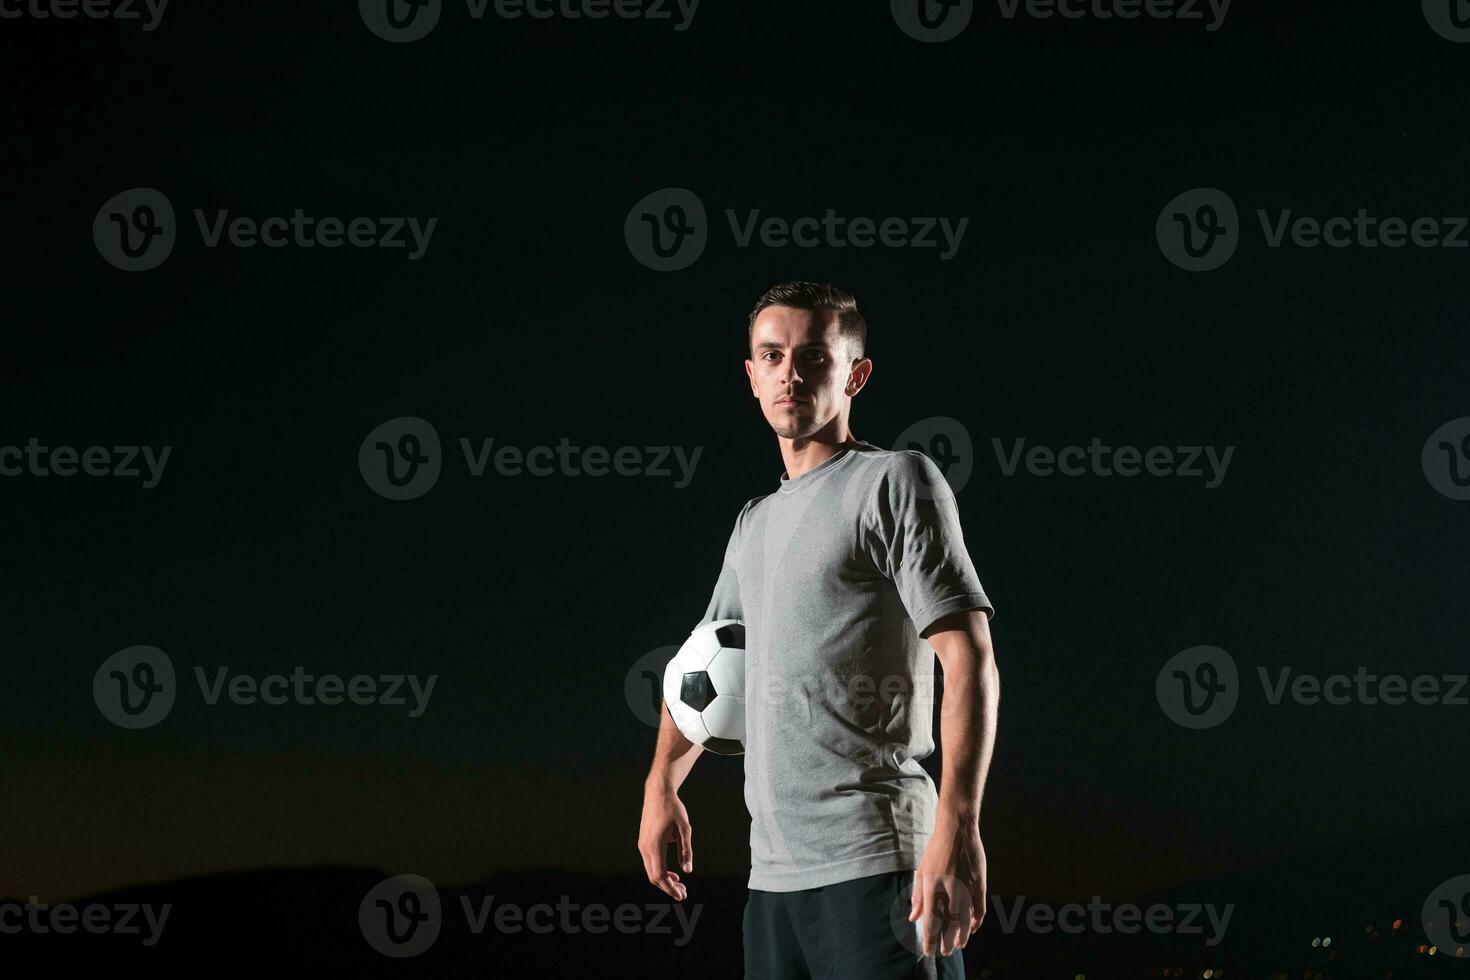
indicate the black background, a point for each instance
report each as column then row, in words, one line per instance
column 528, row 320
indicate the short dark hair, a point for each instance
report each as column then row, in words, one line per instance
column 817, row 297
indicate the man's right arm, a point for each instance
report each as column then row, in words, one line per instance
column 665, row 820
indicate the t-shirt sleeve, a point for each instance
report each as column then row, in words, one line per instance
column 725, row 602
column 912, row 533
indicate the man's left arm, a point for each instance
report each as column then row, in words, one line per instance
column 949, row 886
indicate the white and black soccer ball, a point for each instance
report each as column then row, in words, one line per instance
column 704, row 687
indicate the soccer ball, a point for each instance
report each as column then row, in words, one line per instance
column 704, row 687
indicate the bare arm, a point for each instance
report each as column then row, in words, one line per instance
column 969, row 713
column 664, row 818
column 954, row 860
column 673, row 755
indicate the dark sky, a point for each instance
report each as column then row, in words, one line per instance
column 529, row 320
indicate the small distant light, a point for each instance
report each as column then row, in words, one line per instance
column 1316, row 941
column 1208, row 974
column 1433, row 950
column 1398, row 924
column 1327, row 941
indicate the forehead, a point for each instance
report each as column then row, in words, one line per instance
column 787, row 326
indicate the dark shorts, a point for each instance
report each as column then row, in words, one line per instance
column 853, row 930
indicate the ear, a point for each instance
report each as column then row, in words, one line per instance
column 750, row 372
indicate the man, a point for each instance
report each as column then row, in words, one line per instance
column 840, row 576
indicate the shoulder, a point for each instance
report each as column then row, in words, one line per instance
column 750, row 505
column 909, row 480
column 903, row 468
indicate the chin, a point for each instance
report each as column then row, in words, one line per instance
column 797, row 428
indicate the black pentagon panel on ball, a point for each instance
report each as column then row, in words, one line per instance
column 725, row 746
column 731, row 637
column 697, row 690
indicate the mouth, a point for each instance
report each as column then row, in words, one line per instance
column 788, row 400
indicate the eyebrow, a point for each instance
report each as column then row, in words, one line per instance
column 773, row 345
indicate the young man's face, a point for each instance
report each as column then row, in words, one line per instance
column 802, row 371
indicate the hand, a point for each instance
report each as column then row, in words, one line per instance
column 665, row 821
column 949, row 885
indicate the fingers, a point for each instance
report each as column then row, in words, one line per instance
column 977, row 911
column 922, row 909
column 946, row 913
column 659, row 875
column 686, row 847
column 673, row 887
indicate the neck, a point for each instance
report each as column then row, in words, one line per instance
column 807, row 453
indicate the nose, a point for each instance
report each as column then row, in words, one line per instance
column 791, row 376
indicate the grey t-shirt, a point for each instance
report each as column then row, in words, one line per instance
column 836, row 574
